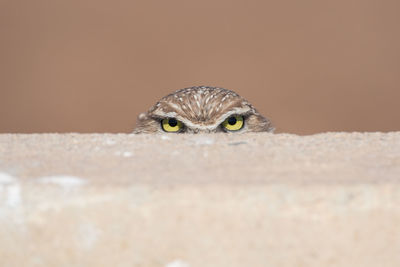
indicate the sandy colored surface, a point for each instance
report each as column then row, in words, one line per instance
column 200, row 200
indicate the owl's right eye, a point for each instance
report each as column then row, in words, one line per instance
column 233, row 123
column 171, row 125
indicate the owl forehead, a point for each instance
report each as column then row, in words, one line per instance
column 203, row 105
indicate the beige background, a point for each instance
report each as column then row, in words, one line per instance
column 92, row 66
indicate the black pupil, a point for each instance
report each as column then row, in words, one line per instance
column 232, row 120
column 172, row 122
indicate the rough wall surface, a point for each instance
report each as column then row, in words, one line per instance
column 200, row 200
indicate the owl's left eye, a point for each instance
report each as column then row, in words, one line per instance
column 233, row 123
column 171, row 125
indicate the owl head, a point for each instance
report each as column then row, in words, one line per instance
column 202, row 109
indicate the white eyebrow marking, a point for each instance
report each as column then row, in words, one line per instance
column 163, row 115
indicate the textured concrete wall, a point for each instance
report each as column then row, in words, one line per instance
column 200, row 200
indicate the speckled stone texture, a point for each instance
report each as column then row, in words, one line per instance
column 200, row 200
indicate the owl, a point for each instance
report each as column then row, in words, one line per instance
column 202, row 109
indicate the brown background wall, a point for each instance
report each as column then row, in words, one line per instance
column 92, row 66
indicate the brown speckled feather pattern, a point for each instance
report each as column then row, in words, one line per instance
column 201, row 109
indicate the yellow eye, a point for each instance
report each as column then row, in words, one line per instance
column 233, row 123
column 171, row 125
